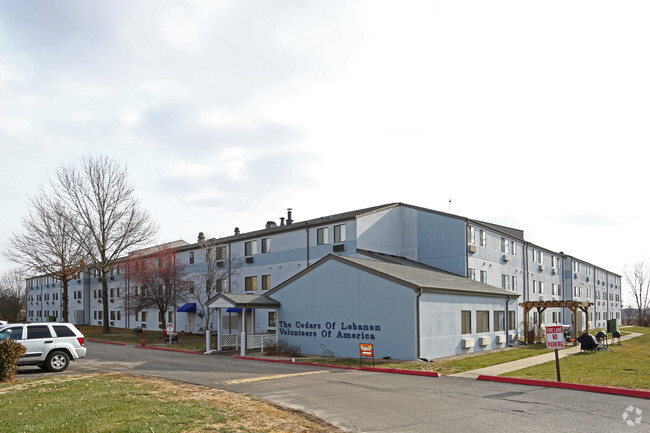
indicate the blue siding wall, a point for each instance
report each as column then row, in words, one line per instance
column 326, row 304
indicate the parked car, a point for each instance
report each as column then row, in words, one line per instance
column 51, row 345
column 2, row 322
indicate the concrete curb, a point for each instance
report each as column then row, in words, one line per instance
column 574, row 386
column 168, row 349
column 343, row 367
column 106, row 342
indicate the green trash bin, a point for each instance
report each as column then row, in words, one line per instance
column 611, row 326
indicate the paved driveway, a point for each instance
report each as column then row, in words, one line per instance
column 379, row 402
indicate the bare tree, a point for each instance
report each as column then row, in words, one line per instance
column 219, row 267
column 12, row 295
column 159, row 281
column 629, row 315
column 46, row 245
column 106, row 215
column 638, row 281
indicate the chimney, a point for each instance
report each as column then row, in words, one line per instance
column 236, row 231
column 289, row 220
column 271, row 224
column 281, row 221
column 201, row 236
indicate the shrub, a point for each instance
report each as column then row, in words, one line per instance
column 10, row 351
column 286, row 349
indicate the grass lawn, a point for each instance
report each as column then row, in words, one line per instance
column 123, row 403
column 624, row 366
column 152, row 338
column 444, row 367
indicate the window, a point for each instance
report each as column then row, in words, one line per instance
column 208, row 255
column 322, row 236
column 266, row 245
column 119, row 315
column 541, row 287
column 250, row 248
column 272, row 319
column 191, row 257
column 170, row 317
column 534, row 317
column 505, row 282
column 465, row 322
column 472, row 274
column 63, row 331
column 112, row 315
column 220, row 253
column 219, row 285
column 514, row 283
column 191, row 288
column 534, row 286
column 144, row 316
column 482, row 321
column 339, row 233
column 484, row 277
column 555, row 289
column 499, row 321
column 471, row 235
column 553, row 261
column 512, row 322
column 250, row 284
column 483, row 238
column 505, row 246
column 266, row 282
column 39, row 331
column 557, row 317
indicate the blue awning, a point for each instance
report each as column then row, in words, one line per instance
column 188, row 308
column 237, row 310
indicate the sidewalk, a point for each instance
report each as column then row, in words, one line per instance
column 496, row 370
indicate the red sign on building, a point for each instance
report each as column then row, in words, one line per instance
column 366, row 350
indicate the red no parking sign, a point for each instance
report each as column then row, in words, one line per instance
column 555, row 337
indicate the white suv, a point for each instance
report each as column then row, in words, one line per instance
column 50, row 345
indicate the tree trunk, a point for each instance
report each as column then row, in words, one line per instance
column 64, row 301
column 106, row 329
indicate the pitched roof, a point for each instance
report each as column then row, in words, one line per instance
column 245, row 300
column 415, row 277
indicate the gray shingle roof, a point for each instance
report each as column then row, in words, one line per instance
column 416, row 277
column 246, row 300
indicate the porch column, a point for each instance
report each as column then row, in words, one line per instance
column 242, row 346
column 219, row 323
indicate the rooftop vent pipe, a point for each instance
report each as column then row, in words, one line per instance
column 201, row 236
column 236, row 231
column 271, row 224
column 289, row 220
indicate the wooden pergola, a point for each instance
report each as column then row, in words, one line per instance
column 541, row 306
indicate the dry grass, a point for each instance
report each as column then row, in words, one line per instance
column 123, row 402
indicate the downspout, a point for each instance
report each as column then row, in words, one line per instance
column 307, row 230
column 466, row 249
column 229, row 272
column 417, row 316
column 507, row 322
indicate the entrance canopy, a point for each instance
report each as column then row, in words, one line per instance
column 242, row 300
column 190, row 307
column 541, row 306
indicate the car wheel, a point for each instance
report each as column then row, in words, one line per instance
column 57, row 361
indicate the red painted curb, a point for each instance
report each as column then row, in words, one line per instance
column 564, row 385
column 106, row 342
column 343, row 367
column 169, row 350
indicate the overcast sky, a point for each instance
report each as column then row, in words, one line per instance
column 527, row 114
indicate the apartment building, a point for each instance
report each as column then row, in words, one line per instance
column 487, row 253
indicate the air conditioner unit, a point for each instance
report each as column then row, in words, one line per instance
column 471, row 248
column 513, row 337
column 501, row 339
column 541, row 268
column 484, row 341
column 506, row 257
column 554, row 271
column 99, row 300
column 555, row 298
column 468, row 343
column 112, row 300
column 250, row 260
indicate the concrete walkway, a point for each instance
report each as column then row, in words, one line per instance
column 506, row 367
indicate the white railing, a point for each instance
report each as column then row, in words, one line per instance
column 255, row 341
